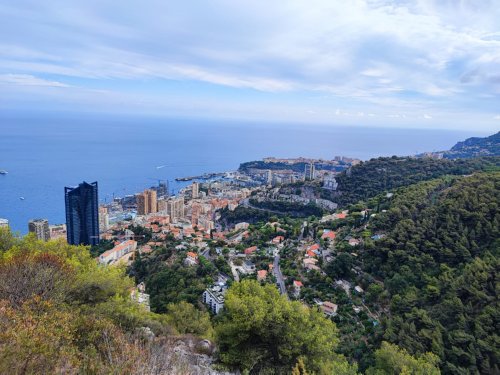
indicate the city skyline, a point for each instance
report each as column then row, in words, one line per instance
column 428, row 64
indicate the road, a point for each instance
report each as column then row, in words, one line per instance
column 279, row 275
column 234, row 271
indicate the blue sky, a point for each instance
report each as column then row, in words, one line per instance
column 421, row 63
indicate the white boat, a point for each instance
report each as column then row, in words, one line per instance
column 3, row 171
column 21, row 198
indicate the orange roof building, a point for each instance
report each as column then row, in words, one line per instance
column 261, row 275
column 313, row 247
column 278, row 239
column 250, row 250
column 330, row 235
column 297, row 284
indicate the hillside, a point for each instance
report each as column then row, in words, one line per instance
column 62, row 313
column 475, row 146
column 376, row 176
column 439, row 265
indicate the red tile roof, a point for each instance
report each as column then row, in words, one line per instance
column 298, row 283
column 311, row 253
column 313, row 247
column 250, row 250
column 329, row 235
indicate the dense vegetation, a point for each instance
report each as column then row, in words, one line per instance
column 245, row 214
column 430, row 302
column 475, row 146
column 296, row 167
column 289, row 208
column 376, row 176
column 439, row 263
column 169, row 281
column 259, row 164
column 61, row 312
column 260, row 329
column 265, row 210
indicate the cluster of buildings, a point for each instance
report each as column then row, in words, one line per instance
column 300, row 169
column 197, row 205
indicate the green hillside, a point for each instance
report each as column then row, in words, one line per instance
column 439, row 265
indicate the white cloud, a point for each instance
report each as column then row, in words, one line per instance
column 497, row 117
column 364, row 55
column 28, row 80
column 427, row 117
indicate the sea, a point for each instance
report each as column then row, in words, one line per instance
column 126, row 154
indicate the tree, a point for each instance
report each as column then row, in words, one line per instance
column 341, row 266
column 25, row 276
column 186, row 318
column 391, row 360
column 262, row 329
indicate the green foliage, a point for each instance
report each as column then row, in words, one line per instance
column 368, row 179
column 186, row 318
column 104, row 245
column 60, row 311
column 289, row 208
column 260, row 329
column 391, row 360
column 439, row 261
column 174, row 284
column 259, row 164
column 341, row 266
column 244, row 214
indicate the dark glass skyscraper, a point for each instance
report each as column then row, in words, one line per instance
column 82, row 214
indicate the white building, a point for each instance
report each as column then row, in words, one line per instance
column 206, row 223
column 329, row 308
column 117, row 252
column 195, row 189
column 310, row 172
column 41, row 228
column 191, row 259
column 103, row 219
column 329, row 182
column 242, row 225
column 175, row 208
column 214, row 298
column 269, row 177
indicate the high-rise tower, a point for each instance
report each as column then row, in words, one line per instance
column 82, row 214
column 41, row 228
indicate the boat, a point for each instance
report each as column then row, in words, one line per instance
column 21, row 198
column 3, row 171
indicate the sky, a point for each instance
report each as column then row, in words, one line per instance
column 420, row 63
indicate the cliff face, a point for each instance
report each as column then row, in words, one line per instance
column 475, row 146
column 194, row 357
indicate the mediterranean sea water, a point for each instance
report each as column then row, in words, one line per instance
column 42, row 154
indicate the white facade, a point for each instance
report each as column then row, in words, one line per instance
column 329, row 182
column 214, row 298
column 117, row 252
